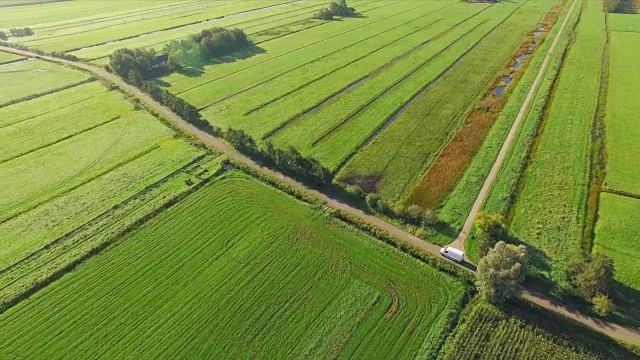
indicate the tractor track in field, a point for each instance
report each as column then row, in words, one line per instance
column 606, row 327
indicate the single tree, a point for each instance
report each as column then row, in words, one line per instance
column 593, row 276
column 3, row 35
column 490, row 230
column 501, row 272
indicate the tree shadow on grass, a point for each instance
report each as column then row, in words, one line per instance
column 627, row 301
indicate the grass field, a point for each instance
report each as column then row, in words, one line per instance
column 6, row 57
column 487, row 332
column 622, row 128
column 550, row 209
column 624, row 22
column 616, row 236
column 33, row 77
column 457, row 205
column 78, row 165
column 75, row 25
column 332, row 90
column 222, row 262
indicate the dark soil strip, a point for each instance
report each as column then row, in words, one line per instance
column 598, row 156
column 620, row 192
column 60, row 140
column 35, row 96
column 297, row 49
column 330, row 72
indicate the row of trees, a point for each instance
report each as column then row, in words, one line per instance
column 197, row 49
column 288, row 161
column 21, row 32
column 136, row 65
column 339, row 8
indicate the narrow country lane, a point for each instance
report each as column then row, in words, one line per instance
column 608, row 328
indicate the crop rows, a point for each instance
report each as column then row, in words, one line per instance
column 552, row 202
column 266, row 286
column 486, row 332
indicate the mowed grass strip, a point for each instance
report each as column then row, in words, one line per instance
column 550, row 210
column 616, row 236
column 25, row 78
column 402, row 151
column 221, row 263
column 622, row 126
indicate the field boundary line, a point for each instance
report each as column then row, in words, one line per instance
column 606, row 327
column 524, row 109
column 47, row 92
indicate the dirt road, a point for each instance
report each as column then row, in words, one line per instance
column 610, row 329
column 524, row 109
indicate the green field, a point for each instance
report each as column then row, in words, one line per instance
column 228, row 260
column 355, row 87
column 77, row 166
column 33, row 77
column 487, row 332
column 624, row 22
column 6, row 57
column 616, row 236
column 550, row 209
column 623, row 151
column 457, row 205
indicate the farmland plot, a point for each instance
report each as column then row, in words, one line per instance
column 78, row 166
column 457, row 205
column 624, row 22
column 220, row 262
column 33, row 77
column 414, row 134
column 550, row 209
column 622, row 127
column 79, row 32
column 616, row 236
column 486, row 332
column 6, row 57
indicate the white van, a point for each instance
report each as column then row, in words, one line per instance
column 453, row 254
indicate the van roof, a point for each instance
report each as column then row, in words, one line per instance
column 455, row 251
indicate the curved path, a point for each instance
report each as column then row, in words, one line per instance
column 607, row 328
column 513, row 132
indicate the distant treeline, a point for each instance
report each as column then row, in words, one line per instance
column 18, row 32
column 208, row 44
column 339, row 8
